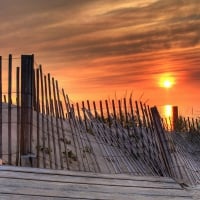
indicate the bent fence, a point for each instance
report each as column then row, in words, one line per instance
column 44, row 129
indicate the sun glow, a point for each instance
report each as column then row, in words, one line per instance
column 168, row 111
column 167, row 84
column 167, row 114
column 166, row 80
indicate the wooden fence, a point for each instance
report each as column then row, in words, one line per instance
column 45, row 129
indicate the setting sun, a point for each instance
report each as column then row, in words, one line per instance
column 166, row 80
column 167, row 83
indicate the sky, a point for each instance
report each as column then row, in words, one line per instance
column 99, row 49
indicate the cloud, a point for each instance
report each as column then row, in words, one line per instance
column 111, row 34
column 130, row 38
column 67, row 20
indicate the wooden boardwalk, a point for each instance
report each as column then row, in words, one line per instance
column 31, row 183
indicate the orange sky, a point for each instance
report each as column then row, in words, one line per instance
column 99, row 48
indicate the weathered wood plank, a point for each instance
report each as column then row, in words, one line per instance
column 32, row 183
column 89, row 180
column 85, row 174
column 8, row 196
column 86, row 191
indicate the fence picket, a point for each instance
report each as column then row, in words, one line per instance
column 1, row 147
column 9, row 109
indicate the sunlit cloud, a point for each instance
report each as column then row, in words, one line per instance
column 90, row 45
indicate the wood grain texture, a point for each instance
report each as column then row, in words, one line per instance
column 29, row 183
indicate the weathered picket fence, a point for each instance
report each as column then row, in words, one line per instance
column 45, row 129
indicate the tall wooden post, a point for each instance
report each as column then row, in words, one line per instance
column 9, row 109
column 18, row 115
column 1, row 149
column 175, row 116
column 27, row 83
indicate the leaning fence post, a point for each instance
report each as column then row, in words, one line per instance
column 165, row 152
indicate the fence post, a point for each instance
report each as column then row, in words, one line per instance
column 162, row 140
column 27, row 69
column 43, row 118
column 18, row 115
column 9, row 109
column 175, row 116
column 0, row 107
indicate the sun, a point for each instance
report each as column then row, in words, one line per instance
column 166, row 80
column 167, row 83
